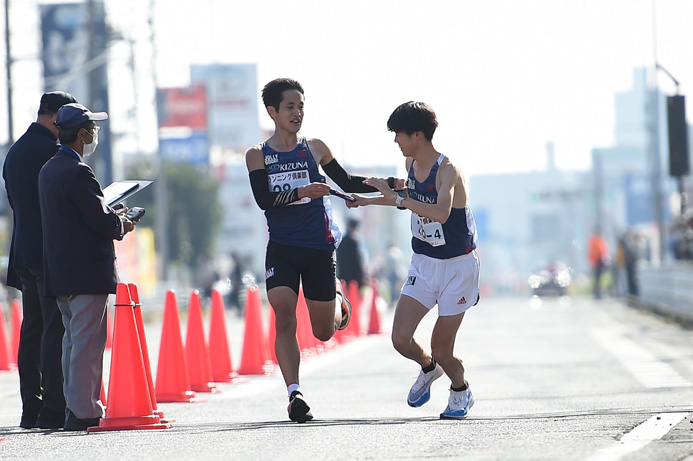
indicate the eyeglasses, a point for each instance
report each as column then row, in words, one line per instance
column 94, row 130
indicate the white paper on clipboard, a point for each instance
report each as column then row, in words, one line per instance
column 121, row 190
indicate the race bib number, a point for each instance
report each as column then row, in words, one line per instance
column 427, row 230
column 288, row 180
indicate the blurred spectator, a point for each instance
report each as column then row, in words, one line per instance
column 349, row 261
column 394, row 270
column 236, row 283
column 207, row 274
column 682, row 236
column 598, row 254
column 619, row 267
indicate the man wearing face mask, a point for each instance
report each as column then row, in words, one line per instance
column 79, row 259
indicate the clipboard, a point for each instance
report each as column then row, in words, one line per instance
column 121, row 190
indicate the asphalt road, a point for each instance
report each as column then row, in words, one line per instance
column 568, row 379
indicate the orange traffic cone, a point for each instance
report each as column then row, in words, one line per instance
column 221, row 363
column 109, row 328
column 129, row 405
column 304, row 330
column 374, row 323
column 272, row 335
column 354, row 296
column 6, row 361
column 172, row 379
column 16, row 328
column 196, row 350
column 139, row 322
column 255, row 355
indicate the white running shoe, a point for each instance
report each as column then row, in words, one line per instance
column 420, row 392
column 459, row 404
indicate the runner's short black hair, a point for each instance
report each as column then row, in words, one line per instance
column 413, row 116
column 273, row 92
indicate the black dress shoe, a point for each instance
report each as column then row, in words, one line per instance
column 73, row 423
column 50, row 424
column 27, row 424
column 49, row 419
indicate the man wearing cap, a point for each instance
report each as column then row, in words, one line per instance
column 40, row 351
column 79, row 259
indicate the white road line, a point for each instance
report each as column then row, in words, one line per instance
column 641, row 363
column 653, row 429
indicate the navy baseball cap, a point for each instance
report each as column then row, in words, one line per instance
column 54, row 100
column 73, row 115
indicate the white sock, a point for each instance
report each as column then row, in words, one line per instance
column 293, row 387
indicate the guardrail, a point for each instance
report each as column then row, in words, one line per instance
column 668, row 288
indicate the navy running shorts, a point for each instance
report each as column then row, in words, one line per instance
column 315, row 270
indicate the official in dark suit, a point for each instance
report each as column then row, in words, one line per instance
column 79, row 259
column 40, row 352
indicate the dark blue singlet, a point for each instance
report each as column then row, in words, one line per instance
column 306, row 222
column 456, row 237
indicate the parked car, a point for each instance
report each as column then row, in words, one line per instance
column 551, row 280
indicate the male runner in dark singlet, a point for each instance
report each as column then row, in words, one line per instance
column 444, row 268
column 286, row 184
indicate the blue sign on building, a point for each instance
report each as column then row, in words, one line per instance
column 193, row 149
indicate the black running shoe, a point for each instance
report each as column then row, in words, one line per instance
column 298, row 409
column 346, row 312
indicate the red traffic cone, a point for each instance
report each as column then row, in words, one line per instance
column 196, row 350
column 221, row 363
column 172, row 379
column 255, row 355
column 16, row 328
column 272, row 335
column 354, row 296
column 304, row 330
column 129, row 405
column 109, row 328
column 6, row 361
column 139, row 322
column 374, row 323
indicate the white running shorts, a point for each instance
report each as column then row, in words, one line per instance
column 452, row 283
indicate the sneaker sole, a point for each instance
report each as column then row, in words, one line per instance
column 458, row 414
column 299, row 411
column 427, row 396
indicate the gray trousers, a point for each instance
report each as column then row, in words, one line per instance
column 84, row 318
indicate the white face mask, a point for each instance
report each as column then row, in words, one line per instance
column 91, row 147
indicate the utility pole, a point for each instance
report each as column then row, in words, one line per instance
column 8, row 69
column 655, row 156
column 160, row 187
column 98, row 84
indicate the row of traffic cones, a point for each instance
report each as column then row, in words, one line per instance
column 184, row 371
column 131, row 400
column 258, row 353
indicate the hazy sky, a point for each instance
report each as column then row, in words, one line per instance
column 505, row 77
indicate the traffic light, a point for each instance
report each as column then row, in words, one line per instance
column 678, row 136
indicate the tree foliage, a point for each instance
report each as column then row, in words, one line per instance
column 194, row 212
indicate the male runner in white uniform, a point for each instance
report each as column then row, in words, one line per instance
column 444, row 268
